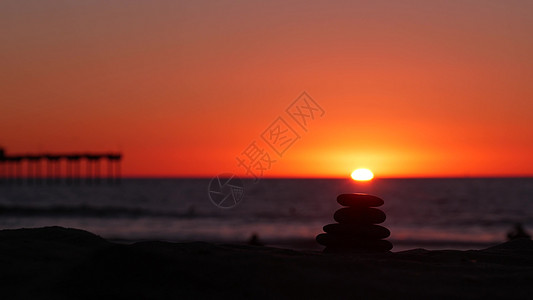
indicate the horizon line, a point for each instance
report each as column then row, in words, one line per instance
column 331, row 177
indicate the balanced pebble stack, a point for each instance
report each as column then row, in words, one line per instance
column 356, row 230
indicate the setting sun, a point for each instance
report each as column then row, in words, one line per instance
column 362, row 175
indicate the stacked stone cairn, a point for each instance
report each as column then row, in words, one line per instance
column 357, row 230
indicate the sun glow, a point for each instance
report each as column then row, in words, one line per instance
column 362, row 175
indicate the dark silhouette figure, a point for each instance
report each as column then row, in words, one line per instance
column 518, row 232
column 254, row 240
column 191, row 211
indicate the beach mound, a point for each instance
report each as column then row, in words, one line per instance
column 60, row 263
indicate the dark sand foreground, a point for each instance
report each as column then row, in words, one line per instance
column 60, row 263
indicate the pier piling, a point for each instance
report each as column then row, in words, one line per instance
column 12, row 166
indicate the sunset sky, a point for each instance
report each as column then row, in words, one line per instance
column 408, row 88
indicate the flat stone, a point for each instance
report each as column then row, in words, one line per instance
column 336, row 242
column 358, row 230
column 328, row 239
column 353, row 215
column 359, row 200
column 376, row 249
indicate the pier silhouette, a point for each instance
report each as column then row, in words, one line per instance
column 12, row 167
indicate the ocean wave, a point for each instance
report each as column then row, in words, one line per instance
column 88, row 211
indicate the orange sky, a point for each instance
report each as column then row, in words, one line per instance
column 409, row 88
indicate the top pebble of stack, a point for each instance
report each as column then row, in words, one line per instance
column 359, row 200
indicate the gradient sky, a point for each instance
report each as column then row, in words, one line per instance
column 409, row 88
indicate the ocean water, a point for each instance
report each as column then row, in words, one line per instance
column 466, row 213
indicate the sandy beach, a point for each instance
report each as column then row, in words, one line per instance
column 61, row 263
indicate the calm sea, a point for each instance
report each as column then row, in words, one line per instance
column 428, row 213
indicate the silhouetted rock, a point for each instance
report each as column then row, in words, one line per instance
column 358, row 230
column 53, row 234
column 353, row 215
column 359, row 200
column 368, row 247
column 327, row 239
